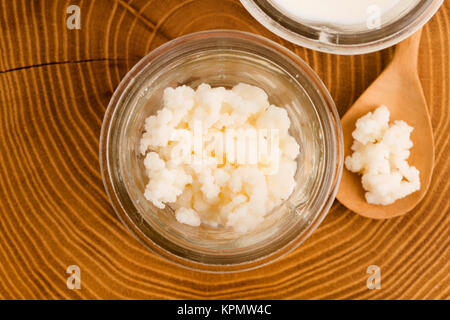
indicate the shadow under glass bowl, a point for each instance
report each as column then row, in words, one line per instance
column 223, row 58
column 404, row 19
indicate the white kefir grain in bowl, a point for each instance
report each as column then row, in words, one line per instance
column 238, row 214
column 242, row 167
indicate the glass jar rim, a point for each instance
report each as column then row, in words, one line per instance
column 129, row 81
column 313, row 39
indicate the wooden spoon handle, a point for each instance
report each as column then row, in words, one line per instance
column 407, row 53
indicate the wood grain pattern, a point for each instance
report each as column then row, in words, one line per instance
column 55, row 85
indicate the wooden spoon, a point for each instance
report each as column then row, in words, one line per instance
column 398, row 88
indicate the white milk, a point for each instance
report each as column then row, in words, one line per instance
column 334, row 11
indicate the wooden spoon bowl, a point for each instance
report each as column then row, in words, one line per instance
column 398, row 88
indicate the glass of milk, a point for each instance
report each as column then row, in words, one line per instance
column 343, row 26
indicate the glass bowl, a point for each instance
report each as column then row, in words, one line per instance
column 393, row 26
column 223, row 58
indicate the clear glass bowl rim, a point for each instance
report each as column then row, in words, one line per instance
column 109, row 182
column 393, row 37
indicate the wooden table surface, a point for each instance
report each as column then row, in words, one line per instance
column 55, row 84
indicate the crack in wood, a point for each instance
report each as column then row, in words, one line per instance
column 61, row 62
